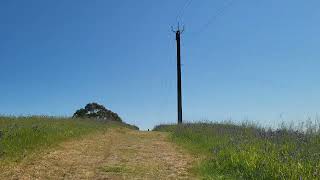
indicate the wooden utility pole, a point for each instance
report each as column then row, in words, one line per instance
column 178, row 33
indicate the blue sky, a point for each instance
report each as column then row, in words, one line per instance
column 257, row 60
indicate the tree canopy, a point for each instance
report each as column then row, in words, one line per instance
column 96, row 111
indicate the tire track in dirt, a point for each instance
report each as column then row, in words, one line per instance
column 118, row 153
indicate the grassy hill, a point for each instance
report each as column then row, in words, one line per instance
column 63, row 148
column 230, row 151
column 225, row 150
column 20, row 136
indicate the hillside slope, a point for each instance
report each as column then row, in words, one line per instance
column 118, row 153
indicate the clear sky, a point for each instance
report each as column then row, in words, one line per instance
column 257, row 60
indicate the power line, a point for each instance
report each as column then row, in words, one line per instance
column 182, row 10
column 218, row 13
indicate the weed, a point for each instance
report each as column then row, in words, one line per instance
column 20, row 136
column 251, row 152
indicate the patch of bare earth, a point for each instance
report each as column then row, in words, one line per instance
column 115, row 154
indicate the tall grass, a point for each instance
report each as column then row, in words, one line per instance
column 246, row 151
column 20, row 136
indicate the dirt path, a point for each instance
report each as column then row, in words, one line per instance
column 116, row 154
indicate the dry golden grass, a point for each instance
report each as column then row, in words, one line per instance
column 117, row 153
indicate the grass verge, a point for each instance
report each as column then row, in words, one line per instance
column 248, row 152
column 23, row 135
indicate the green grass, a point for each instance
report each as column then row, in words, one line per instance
column 23, row 135
column 249, row 152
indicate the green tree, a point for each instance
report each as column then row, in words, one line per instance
column 96, row 111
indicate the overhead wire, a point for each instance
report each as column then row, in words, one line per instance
column 183, row 9
column 218, row 13
column 167, row 85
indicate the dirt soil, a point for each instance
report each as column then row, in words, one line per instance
column 115, row 154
